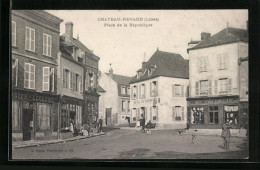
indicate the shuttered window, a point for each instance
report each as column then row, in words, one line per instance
column 47, row 45
column 154, row 88
column 223, row 86
column 29, row 76
column 46, row 79
column 142, row 91
column 203, row 64
column 222, row 62
column 30, row 39
column 13, row 33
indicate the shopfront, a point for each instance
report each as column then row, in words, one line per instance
column 90, row 114
column 34, row 115
column 212, row 112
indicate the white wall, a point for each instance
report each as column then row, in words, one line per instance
column 213, row 73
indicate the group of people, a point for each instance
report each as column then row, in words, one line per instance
column 86, row 128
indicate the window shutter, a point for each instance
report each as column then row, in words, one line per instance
column 197, row 88
column 50, row 45
column 219, row 62
column 173, row 90
column 27, row 38
column 182, row 113
column 229, row 85
column 46, row 79
column 52, row 79
column 216, row 87
column 207, row 64
column 132, row 96
column 210, row 87
column 94, row 79
column 81, row 84
column 144, row 90
column 86, row 81
column 137, row 91
column 26, row 75
column 226, row 62
column 70, row 73
column 140, row 91
column 32, row 76
column 151, row 89
column 64, row 78
column 157, row 116
column 156, row 88
column 44, row 44
column 173, row 113
column 32, row 40
column 198, row 64
column 182, row 90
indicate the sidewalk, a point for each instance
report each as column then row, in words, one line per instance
column 24, row 144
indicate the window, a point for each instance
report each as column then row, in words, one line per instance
column 128, row 91
column 30, row 39
column 213, row 114
column 204, row 87
column 91, row 79
column 154, row 113
column 16, row 116
column 150, row 71
column 154, row 88
column 128, row 106
column 123, row 106
column 134, row 114
column 177, row 90
column 142, row 91
column 203, row 61
column 29, row 76
column 43, row 116
column 223, row 86
column 13, row 33
column 178, row 113
column 47, row 44
column 14, row 72
column 48, row 79
column 134, row 93
column 197, row 115
column 231, row 114
column 66, row 78
column 122, row 90
column 222, row 62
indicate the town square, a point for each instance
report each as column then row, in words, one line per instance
column 96, row 84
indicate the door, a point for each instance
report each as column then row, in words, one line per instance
column 27, row 123
column 108, row 116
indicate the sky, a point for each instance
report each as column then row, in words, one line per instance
column 127, row 47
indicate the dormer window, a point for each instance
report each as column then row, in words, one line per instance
column 150, row 71
column 139, row 74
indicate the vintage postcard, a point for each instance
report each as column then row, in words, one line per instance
column 129, row 84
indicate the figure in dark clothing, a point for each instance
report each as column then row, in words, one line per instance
column 128, row 119
column 226, row 134
column 142, row 123
column 100, row 122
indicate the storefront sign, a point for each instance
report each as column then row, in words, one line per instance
column 214, row 101
column 154, row 100
column 32, row 97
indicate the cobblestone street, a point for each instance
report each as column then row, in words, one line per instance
column 132, row 144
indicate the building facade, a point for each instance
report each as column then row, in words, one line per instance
column 214, row 79
column 77, row 81
column 159, row 90
column 115, row 107
column 35, row 52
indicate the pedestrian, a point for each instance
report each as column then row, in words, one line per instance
column 100, row 121
column 142, row 123
column 226, row 134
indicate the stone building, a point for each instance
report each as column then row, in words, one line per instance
column 214, row 79
column 78, row 71
column 35, row 53
column 116, row 98
column 158, row 91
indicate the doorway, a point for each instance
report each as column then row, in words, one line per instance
column 108, row 116
column 27, row 123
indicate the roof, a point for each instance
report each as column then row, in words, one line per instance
column 167, row 64
column 100, row 89
column 225, row 36
column 76, row 42
column 123, row 80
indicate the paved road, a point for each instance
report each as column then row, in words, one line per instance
column 132, row 144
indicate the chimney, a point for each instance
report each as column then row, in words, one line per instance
column 204, row 36
column 69, row 29
column 111, row 71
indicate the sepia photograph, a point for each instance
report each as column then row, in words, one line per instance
column 129, row 84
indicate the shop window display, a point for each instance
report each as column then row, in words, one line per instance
column 197, row 115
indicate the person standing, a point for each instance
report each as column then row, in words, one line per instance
column 100, row 123
column 226, row 134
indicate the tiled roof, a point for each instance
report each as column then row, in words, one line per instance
column 225, row 36
column 100, row 89
column 167, row 64
column 123, row 80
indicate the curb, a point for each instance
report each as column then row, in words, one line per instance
column 55, row 142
